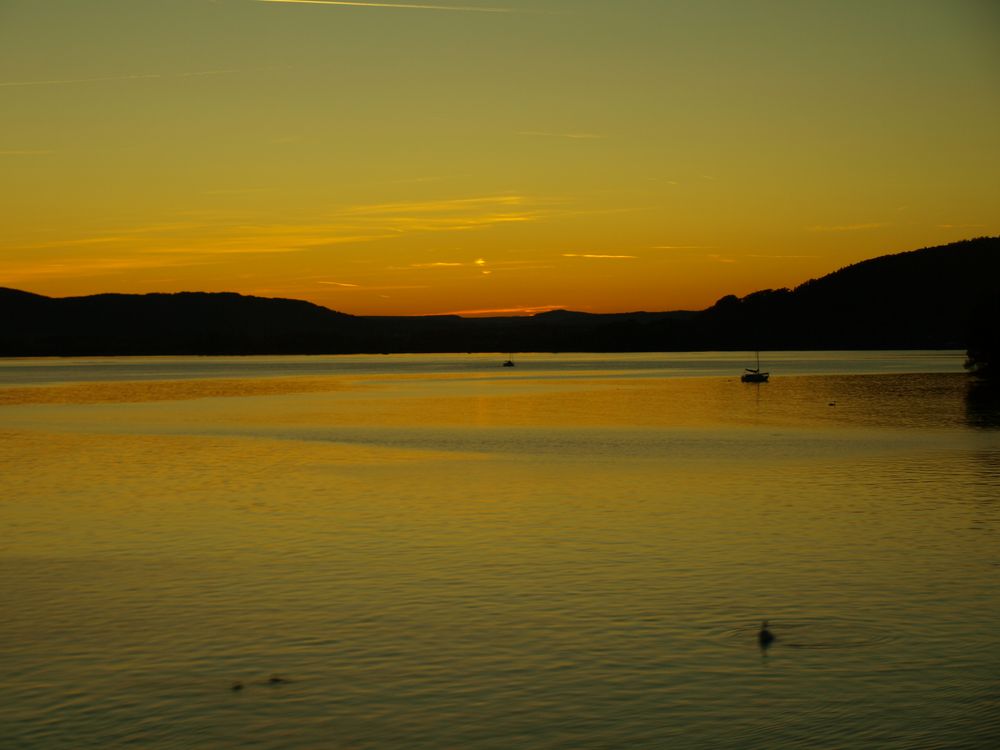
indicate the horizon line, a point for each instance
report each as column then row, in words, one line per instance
column 400, row 6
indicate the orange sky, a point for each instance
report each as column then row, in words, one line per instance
column 412, row 158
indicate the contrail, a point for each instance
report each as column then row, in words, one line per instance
column 139, row 77
column 405, row 6
column 77, row 80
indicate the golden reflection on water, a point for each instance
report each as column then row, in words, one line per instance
column 67, row 492
column 164, row 390
column 589, row 399
column 453, row 561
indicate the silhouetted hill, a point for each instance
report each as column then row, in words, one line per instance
column 920, row 299
column 182, row 323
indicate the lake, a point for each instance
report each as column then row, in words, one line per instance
column 436, row 552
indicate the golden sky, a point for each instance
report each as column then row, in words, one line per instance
column 488, row 155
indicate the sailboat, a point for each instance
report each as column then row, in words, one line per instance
column 754, row 375
column 509, row 362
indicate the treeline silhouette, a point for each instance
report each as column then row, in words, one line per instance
column 984, row 339
column 940, row 297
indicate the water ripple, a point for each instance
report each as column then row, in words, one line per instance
column 810, row 633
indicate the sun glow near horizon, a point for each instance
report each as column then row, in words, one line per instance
column 602, row 157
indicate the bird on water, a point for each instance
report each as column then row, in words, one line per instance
column 765, row 636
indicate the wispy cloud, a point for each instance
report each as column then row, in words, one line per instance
column 516, row 266
column 364, row 288
column 961, row 226
column 97, row 267
column 781, row 257
column 213, row 237
column 460, row 223
column 398, row 6
column 26, row 152
column 416, row 180
column 137, row 77
column 572, row 136
column 214, row 233
column 236, row 249
column 523, row 310
column 447, row 205
column 447, row 215
column 205, row 239
column 479, row 264
column 596, row 255
column 683, row 247
column 119, row 235
column 79, row 241
column 236, row 191
column 848, row 227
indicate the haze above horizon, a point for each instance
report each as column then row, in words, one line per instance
column 494, row 156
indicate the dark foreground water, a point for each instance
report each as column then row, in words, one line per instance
column 436, row 552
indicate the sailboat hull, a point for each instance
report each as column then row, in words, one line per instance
column 753, row 374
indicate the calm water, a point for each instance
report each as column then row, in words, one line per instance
column 437, row 552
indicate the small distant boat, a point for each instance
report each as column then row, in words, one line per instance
column 509, row 362
column 754, row 375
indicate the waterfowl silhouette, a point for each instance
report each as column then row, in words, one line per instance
column 275, row 680
column 237, row 686
column 765, row 636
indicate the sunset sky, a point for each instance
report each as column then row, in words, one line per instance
column 488, row 155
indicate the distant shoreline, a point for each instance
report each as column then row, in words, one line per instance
column 934, row 298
